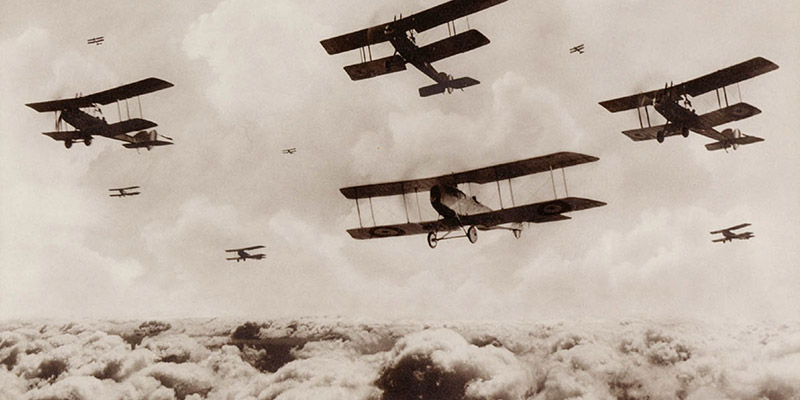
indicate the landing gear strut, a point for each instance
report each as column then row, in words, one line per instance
column 87, row 141
column 517, row 233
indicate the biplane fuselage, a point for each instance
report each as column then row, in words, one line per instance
column 680, row 118
column 451, row 203
column 86, row 122
column 411, row 54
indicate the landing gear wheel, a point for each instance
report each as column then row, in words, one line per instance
column 87, row 141
column 432, row 241
column 685, row 132
column 517, row 233
column 68, row 143
column 472, row 234
column 660, row 136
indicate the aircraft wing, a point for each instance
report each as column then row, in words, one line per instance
column 698, row 86
column 64, row 135
column 461, row 43
column 125, row 188
column 371, row 69
column 728, row 114
column 141, row 87
column 728, row 76
column 719, row 240
column 630, row 102
column 420, row 22
column 546, row 211
column 649, row 133
column 480, row 176
column 126, row 126
column 246, row 248
column 733, row 228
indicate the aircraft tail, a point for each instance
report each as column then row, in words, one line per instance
column 448, row 86
column 146, row 139
column 737, row 138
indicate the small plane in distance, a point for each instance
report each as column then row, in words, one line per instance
column 123, row 192
column 729, row 235
column 459, row 212
column 400, row 33
column 681, row 119
column 577, row 49
column 289, row 151
column 243, row 254
column 88, row 125
column 96, row 40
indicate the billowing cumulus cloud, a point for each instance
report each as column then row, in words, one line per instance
column 339, row 359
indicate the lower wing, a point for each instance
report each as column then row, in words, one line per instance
column 547, row 211
column 649, row 133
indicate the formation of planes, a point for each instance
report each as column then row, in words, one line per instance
column 458, row 214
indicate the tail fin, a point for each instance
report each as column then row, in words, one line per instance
column 440, row 88
column 737, row 138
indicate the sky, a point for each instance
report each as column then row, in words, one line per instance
column 252, row 79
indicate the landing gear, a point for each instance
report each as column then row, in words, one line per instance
column 660, row 136
column 432, row 240
column 472, row 234
column 685, row 132
column 517, row 233
column 68, row 143
column 87, row 141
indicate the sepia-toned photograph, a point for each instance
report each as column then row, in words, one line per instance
column 399, row 199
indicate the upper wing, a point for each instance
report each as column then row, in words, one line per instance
column 728, row 76
column 698, row 86
column 125, row 188
column 480, row 176
column 728, row 114
column 630, row 102
column 461, row 43
column 420, row 22
column 733, row 228
column 247, row 248
column 105, row 97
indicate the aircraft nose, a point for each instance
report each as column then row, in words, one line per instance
column 436, row 193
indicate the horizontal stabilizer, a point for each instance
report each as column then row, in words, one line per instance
column 371, row 69
column 440, row 88
column 453, row 45
column 148, row 144
column 736, row 142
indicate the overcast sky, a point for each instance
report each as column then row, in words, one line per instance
column 251, row 79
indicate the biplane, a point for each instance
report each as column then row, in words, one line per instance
column 289, row 151
column 465, row 214
column 681, row 118
column 577, row 49
column 123, row 192
column 243, row 254
column 93, row 123
column 400, row 33
column 729, row 235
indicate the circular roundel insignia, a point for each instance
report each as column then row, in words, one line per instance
column 554, row 207
column 738, row 111
column 386, row 231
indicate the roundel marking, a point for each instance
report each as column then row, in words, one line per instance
column 553, row 208
column 387, row 231
column 738, row 111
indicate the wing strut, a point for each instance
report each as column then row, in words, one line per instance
column 419, row 210
column 553, row 180
column 371, row 211
column 564, row 176
column 405, row 206
column 360, row 224
column 498, row 188
column 511, row 189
